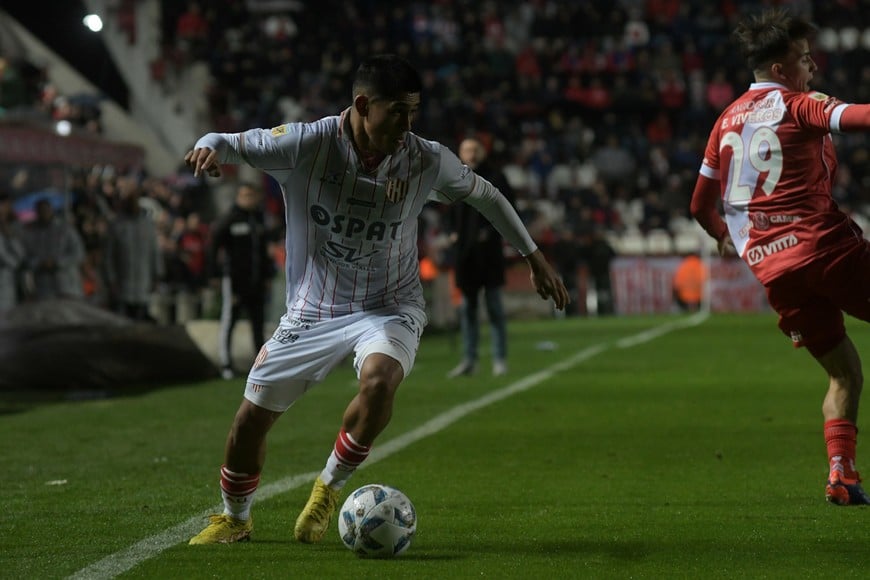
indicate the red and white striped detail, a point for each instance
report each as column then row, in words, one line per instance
column 348, row 452
column 238, row 484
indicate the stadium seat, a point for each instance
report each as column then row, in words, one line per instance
column 687, row 242
column 659, row 242
column 631, row 243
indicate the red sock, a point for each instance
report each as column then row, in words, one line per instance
column 349, row 452
column 346, row 456
column 840, row 437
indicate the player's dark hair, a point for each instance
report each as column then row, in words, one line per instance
column 388, row 76
column 768, row 37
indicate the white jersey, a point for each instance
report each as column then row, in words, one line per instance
column 351, row 234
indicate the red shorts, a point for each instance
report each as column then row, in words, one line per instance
column 811, row 301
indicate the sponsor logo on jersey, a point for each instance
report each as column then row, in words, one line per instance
column 784, row 219
column 346, row 256
column 397, row 189
column 759, row 220
column 352, row 227
column 756, row 254
column 279, row 130
column 819, row 96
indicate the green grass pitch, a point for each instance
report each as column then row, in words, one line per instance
column 695, row 453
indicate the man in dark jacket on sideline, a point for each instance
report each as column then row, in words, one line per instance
column 239, row 252
column 480, row 265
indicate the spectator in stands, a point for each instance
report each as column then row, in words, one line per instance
column 480, row 266
column 11, row 254
column 132, row 259
column 239, row 252
column 55, row 254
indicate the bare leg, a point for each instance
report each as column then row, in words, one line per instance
column 843, row 366
column 246, row 443
column 371, row 409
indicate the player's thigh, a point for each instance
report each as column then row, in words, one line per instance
column 296, row 357
column 395, row 334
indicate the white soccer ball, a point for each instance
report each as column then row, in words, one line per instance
column 377, row 520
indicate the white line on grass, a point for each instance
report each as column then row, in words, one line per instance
column 123, row 560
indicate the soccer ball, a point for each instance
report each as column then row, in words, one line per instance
column 377, row 520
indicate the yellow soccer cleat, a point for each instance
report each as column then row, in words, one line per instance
column 224, row 529
column 312, row 523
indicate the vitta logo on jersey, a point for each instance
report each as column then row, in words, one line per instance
column 397, row 189
column 758, row 253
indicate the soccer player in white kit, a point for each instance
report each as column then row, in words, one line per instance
column 354, row 185
column 771, row 161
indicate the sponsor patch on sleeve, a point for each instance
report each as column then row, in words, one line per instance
column 816, row 95
column 279, row 130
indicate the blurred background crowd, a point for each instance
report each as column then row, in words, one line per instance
column 597, row 112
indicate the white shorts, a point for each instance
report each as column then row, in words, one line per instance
column 302, row 353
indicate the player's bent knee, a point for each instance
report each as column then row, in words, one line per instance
column 252, row 419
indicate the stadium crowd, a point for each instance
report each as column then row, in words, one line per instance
column 597, row 111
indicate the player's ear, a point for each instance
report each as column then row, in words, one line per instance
column 778, row 71
column 361, row 104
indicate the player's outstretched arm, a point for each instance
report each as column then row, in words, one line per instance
column 546, row 281
column 855, row 118
column 271, row 150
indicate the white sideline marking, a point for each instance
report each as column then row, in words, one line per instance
column 123, row 560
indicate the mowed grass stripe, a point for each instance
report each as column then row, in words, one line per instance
column 124, row 560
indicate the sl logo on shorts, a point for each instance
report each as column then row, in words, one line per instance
column 285, row 336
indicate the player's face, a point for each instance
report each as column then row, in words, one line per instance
column 248, row 197
column 471, row 152
column 387, row 121
column 798, row 68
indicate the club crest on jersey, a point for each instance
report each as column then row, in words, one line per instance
column 397, row 189
column 331, row 177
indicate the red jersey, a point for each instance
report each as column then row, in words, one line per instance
column 772, row 153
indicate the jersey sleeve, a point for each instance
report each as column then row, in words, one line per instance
column 817, row 111
column 272, row 150
column 455, row 179
column 711, row 163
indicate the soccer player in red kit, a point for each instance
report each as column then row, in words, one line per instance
column 771, row 161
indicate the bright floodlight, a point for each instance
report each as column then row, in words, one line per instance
column 94, row 22
column 63, row 127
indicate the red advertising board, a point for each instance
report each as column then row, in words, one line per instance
column 644, row 285
column 27, row 144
